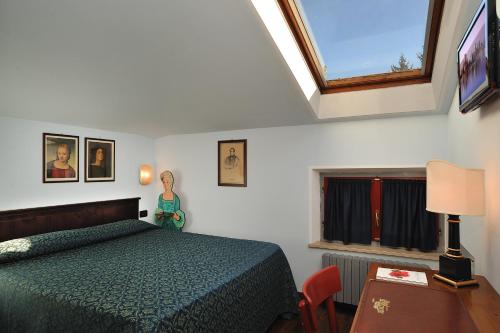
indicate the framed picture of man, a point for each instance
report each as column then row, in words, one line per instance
column 99, row 160
column 60, row 158
column 232, row 162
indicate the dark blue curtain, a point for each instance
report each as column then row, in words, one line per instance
column 405, row 222
column 348, row 211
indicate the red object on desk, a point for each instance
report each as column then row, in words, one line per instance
column 399, row 273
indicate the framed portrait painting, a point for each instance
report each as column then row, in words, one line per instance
column 232, row 165
column 99, row 160
column 60, row 158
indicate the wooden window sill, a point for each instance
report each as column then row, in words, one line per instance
column 375, row 248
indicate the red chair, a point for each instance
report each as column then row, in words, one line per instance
column 318, row 288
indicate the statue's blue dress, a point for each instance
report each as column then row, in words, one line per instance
column 169, row 207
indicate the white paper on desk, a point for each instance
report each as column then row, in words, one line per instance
column 402, row 276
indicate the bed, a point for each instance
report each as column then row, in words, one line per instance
column 132, row 276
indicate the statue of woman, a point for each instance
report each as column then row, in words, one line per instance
column 169, row 214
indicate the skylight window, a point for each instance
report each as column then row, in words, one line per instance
column 363, row 44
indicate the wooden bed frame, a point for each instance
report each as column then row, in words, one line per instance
column 32, row 221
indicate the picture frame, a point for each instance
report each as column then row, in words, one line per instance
column 60, row 158
column 99, row 160
column 232, row 163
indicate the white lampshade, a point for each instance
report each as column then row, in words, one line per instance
column 146, row 174
column 454, row 190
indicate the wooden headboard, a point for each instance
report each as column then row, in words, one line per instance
column 32, row 221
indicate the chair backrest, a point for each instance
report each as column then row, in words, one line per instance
column 318, row 288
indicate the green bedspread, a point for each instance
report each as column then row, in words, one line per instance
column 131, row 276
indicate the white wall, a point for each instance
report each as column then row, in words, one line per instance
column 372, row 102
column 21, row 167
column 274, row 206
column 475, row 142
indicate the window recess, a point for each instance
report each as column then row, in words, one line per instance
column 389, row 210
column 358, row 45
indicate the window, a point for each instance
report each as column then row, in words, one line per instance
column 390, row 210
column 361, row 44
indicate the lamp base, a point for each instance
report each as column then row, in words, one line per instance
column 455, row 271
column 456, row 284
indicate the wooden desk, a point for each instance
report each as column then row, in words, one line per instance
column 482, row 302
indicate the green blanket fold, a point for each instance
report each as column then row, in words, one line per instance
column 32, row 246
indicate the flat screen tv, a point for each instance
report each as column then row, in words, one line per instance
column 478, row 58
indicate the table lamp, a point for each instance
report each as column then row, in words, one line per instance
column 454, row 191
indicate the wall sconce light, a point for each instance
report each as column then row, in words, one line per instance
column 146, row 174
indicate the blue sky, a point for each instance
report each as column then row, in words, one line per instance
column 361, row 37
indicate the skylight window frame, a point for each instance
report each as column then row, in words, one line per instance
column 424, row 75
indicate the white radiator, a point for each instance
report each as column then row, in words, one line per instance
column 353, row 271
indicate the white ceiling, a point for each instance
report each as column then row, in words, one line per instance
column 161, row 67
column 151, row 67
